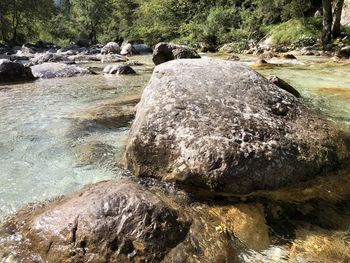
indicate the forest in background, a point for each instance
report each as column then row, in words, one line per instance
column 199, row 23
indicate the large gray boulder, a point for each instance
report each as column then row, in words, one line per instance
column 111, row 48
column 218, row 125
column 57, row 70
column 164, row 52
column 130, row 48
column 13, row 71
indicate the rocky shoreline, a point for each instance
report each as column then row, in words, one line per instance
column 212, row 147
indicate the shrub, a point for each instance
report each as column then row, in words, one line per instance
column 295, row 31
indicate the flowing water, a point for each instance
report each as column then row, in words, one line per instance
column 37, row 135
column 40, row 141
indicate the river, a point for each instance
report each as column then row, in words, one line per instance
column 40, row 142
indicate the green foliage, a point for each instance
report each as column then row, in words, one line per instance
column 295, row 31
column 59, row 29
column 91, row 16
column 19, row 18
column 197, row 23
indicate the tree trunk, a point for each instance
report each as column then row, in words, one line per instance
column 337, row 18
column 327, row 22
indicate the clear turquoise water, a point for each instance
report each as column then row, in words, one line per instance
column 38, row 136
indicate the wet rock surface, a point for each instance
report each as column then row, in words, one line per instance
column 164, row 52
column 233, row 57
column 123, row 221
column 113, row 113
column 117, row 221
column 284, row 85
column 57, row 70
column 254, row 136
column 13, row 71
column 119, row 70
column 266, row 55
column 289, row 56
column 261, row 63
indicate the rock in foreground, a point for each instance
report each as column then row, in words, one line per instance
column 57, row 70
column 164, row 52
column 220, row 126
column 122, row 221
column 13, row 71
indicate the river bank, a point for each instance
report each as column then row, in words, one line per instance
column 61, row 139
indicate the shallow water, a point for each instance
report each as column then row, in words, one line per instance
column 44, row 152
column 325, row 85
column 38, row 137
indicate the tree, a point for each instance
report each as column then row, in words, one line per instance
column 331, row 21
column 92, row 16
column 4, row 22
column 327, row 22
column 338, row 9
column 19, row 17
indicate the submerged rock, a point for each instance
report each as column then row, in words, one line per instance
column 267, row 55
column 261, row 63
column 112, row 113
column 122, row 221
column 233, row 57
column 284, row 85
column 164, row 52
column 13, row 71
column 109, row 58
column 57, row 70
column 95, row 153
column 220, row 126
column 84, row 58
column 119, row 69
column 289, row 56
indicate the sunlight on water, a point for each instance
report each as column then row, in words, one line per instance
column 325, row 85
column 38, row 160
column 43, row 151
